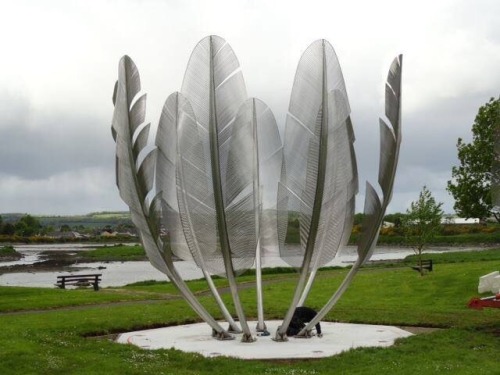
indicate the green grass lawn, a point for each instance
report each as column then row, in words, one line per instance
column 58, row 339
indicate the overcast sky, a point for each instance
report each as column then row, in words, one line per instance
column 59, row 63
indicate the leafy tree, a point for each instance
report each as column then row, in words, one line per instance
column 358, row 218
column 28, row 226
column 65, row 228
column 8, row 229
column 422, row 222
column 46, row 229
column 471, row 183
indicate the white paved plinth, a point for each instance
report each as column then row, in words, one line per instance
column 196, row 338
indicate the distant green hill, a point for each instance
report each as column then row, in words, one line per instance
column 91, row 220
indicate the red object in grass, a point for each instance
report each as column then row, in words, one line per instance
column 480, row 303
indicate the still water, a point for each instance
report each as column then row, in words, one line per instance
column 122, row 273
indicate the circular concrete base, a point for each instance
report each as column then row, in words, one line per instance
column 337, row 338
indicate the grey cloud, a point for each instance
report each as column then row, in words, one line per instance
column 35, row 146
column 431, row 134
column 428, row 149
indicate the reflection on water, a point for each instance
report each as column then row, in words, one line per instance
column 122, row 273
column 32, row 253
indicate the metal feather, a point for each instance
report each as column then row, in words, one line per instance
column 166, row 170
column 319, row 181
column 135, row 180
column 255, row 154
column 390, row 140
column 175, row 114
column 318, row 132
column 253, row 165
column 213, row 84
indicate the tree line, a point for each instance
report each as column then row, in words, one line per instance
column 30, row 226
column 26, row 226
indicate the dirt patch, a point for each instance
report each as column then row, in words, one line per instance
column 10, row 258
column 49, row 261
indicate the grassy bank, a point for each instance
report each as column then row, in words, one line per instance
column 441, row 240
column 8, row 253
column 120, row 253
column 391, row 237
column 57, row 341
column 115, row 253
column 459, row 256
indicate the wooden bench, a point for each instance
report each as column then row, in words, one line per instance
column 426, row 265
column 79, row 280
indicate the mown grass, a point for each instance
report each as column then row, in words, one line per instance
column 21, row 298
column 136, row 252
column 56, row 341
column 458, row 256
column 7, row 251
column 293, row 237
column 438, row 240
column 115, row 253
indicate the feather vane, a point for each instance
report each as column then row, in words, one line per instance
column 374, row 208
column 166, row 144
column 320, row 177
column 254, row 163
column 135, row 180
column 390, row 140
column 214, row 85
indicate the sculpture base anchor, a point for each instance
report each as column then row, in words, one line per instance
column 306, row 335
column 247, row 338
column 280, row 337
column 223, row 336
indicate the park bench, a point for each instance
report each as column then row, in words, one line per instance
column 426, row 265
column 79, row 280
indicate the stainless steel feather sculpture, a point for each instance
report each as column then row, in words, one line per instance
column 224, row 185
